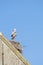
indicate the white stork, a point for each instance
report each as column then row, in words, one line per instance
column 13, row 35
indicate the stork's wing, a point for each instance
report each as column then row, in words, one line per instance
column 12, row 35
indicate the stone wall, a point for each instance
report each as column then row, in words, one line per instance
column 0, row 52
column 7, row 57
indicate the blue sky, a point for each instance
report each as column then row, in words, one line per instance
column 27, row 17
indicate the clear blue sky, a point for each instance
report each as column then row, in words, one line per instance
column 27, row 17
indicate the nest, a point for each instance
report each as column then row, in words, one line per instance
column 17, row 45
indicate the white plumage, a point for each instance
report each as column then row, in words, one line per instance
column 13, row 35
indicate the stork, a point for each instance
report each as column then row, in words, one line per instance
column 13, row 35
